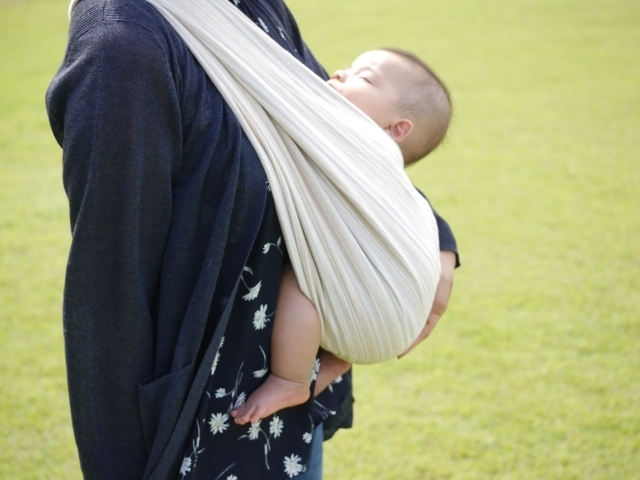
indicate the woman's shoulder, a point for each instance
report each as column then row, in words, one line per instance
column 128, row 25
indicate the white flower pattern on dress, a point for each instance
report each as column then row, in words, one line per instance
column 254, row 430
column 217, row 359
column 215, row 362
column 307, row 437
column 275, row 430
column 292, row 466
column 267, row 246
column 261, row 317
column 275, row 426
column 253, row 292
column 321, row 410
column 186, row 466
column 219, row 422
column 219, row 477
column 240, row 400
column 315, row 369
column 191, row 460
column 236, row 399
column 221, row 392
column 261, row 373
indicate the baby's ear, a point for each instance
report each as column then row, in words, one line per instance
column 401, row 129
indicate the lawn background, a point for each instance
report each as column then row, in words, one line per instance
column 534, row 372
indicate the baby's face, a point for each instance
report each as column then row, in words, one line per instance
column 372, row 83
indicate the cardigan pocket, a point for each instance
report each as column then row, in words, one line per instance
column 160, row 403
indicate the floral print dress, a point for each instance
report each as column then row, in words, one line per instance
column 278, row 446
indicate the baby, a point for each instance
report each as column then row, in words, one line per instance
column 410, row 103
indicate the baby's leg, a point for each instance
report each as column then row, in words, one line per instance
column 294, row 343
column 331, row 367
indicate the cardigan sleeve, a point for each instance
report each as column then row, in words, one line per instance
column 114, row 110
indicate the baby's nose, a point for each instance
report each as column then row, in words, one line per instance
column 339, row 75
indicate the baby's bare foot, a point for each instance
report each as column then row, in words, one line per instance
column 274, row 394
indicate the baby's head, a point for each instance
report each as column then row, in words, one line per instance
column 402, row 95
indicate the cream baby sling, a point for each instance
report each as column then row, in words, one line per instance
column 362, row 241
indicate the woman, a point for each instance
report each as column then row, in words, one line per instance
column 175, row 259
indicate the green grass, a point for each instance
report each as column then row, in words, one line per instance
column 35, row 434
column 36, row 440
column 534, row 372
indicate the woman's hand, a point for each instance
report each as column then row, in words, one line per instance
column 441, row 300
column 331, row 367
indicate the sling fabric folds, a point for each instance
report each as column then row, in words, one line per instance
column 362, row 241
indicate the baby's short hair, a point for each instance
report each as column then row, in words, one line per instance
column 427, row 102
